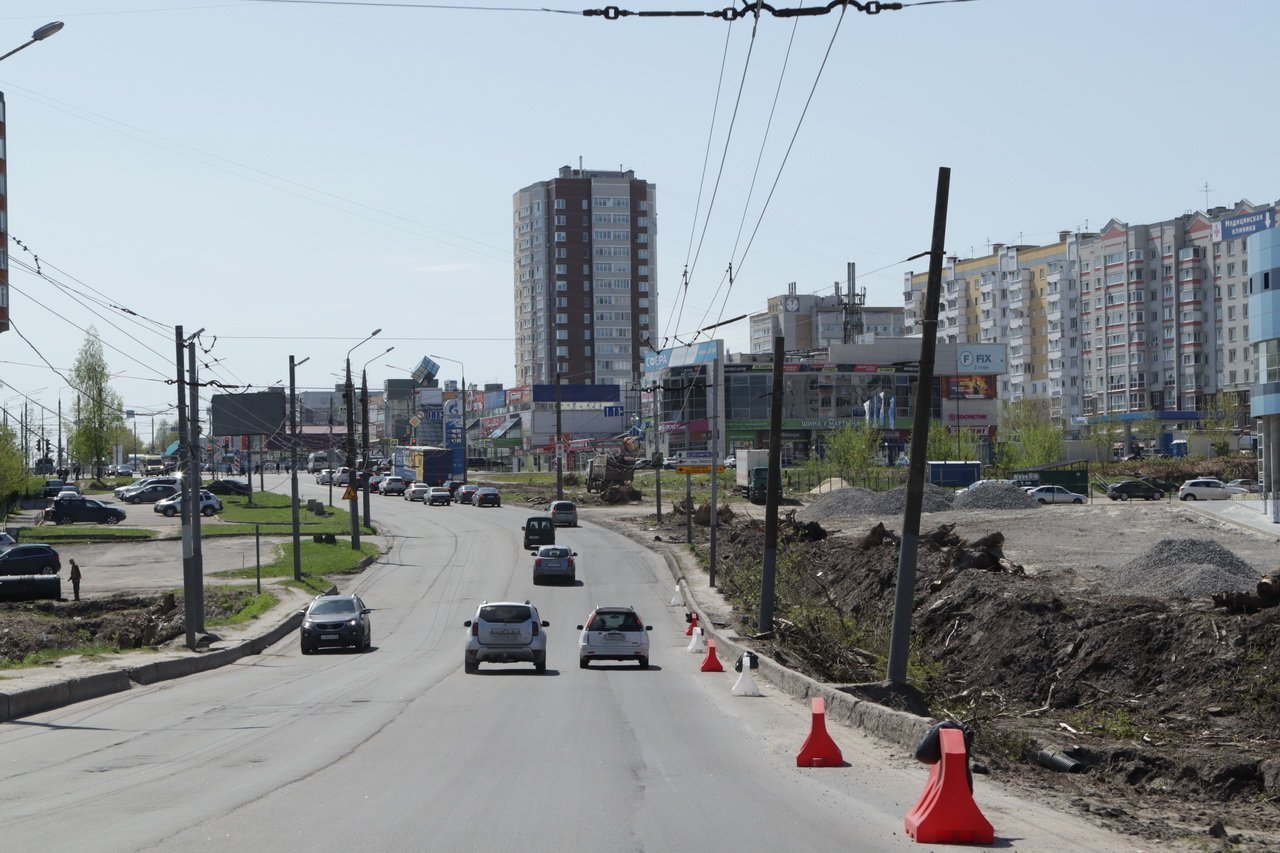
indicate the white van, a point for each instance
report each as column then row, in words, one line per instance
column 317, row 462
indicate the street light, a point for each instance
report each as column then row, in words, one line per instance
column 293, row 465
column 463, row 409
column 353, row 503
column 40, row 34
column 364, row 424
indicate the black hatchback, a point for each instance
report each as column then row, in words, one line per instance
column 1136, row 489
column 32, row 559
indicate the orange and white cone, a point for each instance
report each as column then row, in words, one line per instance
column 745, row 685
column 697, row 645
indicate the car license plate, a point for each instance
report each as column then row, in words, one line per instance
column 614, row 637
column 328, row 636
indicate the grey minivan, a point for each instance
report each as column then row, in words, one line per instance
column 539, row 530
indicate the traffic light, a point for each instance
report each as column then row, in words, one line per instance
column 226, row 443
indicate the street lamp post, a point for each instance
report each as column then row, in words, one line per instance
column 40, row 34
column 364, row 424
column 353, row 503
column 293, row 465
column 462, row 409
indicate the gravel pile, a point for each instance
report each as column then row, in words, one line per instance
column 1176, row 568
column 859, row 501
column 994, row 496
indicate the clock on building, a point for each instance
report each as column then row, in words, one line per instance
column 791, row 304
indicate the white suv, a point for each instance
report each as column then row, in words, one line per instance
column 613, row 633
column 506, row 632
column 1207, row 489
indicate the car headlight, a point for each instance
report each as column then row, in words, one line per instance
column 307, row 623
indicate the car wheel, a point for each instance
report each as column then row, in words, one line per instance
column 1188, row 497
column 583, row 663
column 470, row 667
column 114, row 519
column 644, row 663
column 208, row 511
column 170, row 512
column 540, row 665
column 1041, row 500
column 1159, row 496
column 537, row 580
column 48, row 570
column 1077, row 501
column 1124, row 497
column 61, row 519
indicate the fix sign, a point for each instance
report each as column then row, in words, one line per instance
column 981, row 359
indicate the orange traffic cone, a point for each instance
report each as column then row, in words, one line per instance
column 818, row 749
column 693, row 623
column 946, row 812
column 711, row 663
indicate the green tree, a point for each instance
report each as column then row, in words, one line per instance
column 1097, row 435
column 166, row 434
column 943, row 445
column 854, row 449
column 1224, row 412
column 99, row 410
column 1148, row 430
column 1032, row 437
column 13, row 473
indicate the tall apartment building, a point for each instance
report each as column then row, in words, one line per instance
column 585, row 277
column 808, row 321
column 1130, row 320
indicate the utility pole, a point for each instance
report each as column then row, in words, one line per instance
column 353, row 503
column 773, row 486
column 293, row 465
column 332, row 456
column 715, row 468
column 188, row 577
column 559, row 438
column 364, row 438
column 653, row 455
column 193, row 478
column 900, row 637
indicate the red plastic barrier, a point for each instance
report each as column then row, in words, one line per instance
column 693, row 623
column 946, row 812
column 711, row 663
column 818, row 749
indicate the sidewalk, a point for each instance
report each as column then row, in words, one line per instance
column 1247, row 514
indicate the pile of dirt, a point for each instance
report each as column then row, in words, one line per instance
column 992, row 495
column 1186, row 568
column 115, row 622
column 1163, row 702
column 859, row 501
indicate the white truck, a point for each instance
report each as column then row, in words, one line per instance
column 751, row 469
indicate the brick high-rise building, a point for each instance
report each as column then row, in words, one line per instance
column 585, row 277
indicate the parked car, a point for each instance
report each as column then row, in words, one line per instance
column 1207, row 489
column 210, row 504
column 36, row 558
column 613, row 633
column 150, row 494
column 375, row 481
column 505, row 632
column 978, row 483
column 336, row 621
column 417, row 492
column 1166, row 486
column 52, row 487
column 486, row 496
column 324, row 476
column 1250, row 486
column 71, row 488
column 465, row 492
column 1055, row 495
column 554, row 562
column 69, row 510
column 121, row 491
column 563, row 513
column 538, row 530
column 1134, row 489
column 730, row 461
column 393, row 486
column 438, row 495
column 227, row 487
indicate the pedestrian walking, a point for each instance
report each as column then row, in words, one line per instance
column 75, row 580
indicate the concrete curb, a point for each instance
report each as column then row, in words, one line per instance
column 888, row 724
column 26, row 702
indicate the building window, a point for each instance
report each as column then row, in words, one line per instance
column 559, row 204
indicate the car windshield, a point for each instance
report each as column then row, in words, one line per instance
column 329, row 608
column 616, row 620
column 505, row 613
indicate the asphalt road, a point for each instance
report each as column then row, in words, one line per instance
column 398, row 749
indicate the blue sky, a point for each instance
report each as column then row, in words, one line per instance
column 291, row 176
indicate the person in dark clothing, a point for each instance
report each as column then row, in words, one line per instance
column 75, row 580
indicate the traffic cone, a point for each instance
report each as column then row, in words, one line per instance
column 693, row 623
column 697, row 645
column 711, row 663
column 946, row 812
column 745, row 685
column 818, row 749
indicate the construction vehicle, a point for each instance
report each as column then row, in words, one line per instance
column 607, row 470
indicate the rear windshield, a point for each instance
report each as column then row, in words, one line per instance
column 538, row 522
column 561, row 506
column 616, row 621
column 326, row 608
column 554, row 552
column 508, row 613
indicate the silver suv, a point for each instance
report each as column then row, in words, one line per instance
column 506, row 632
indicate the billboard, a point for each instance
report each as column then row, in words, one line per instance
column 258, row 413
column 1243, row 225
column 425, row 371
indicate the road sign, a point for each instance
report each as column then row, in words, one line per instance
column 698, row 454
column 349, row 494
column 613, row 411
column 414, row 421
